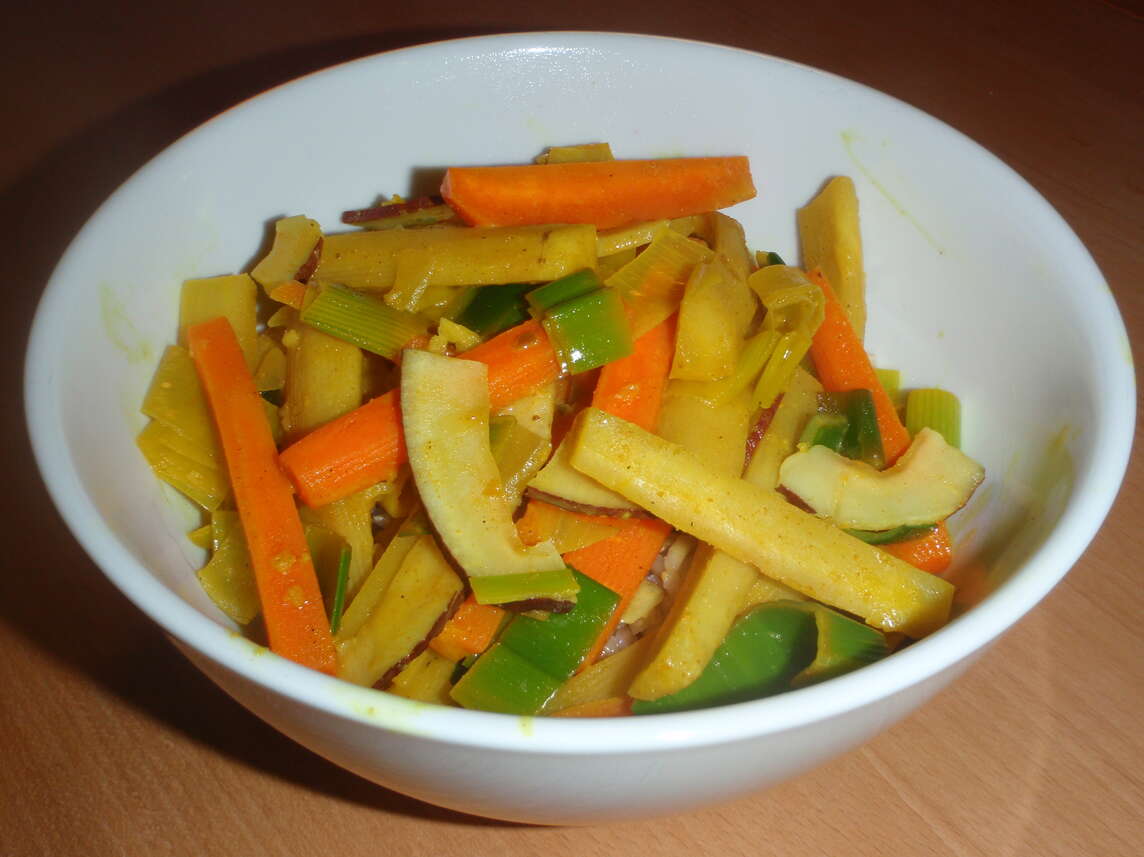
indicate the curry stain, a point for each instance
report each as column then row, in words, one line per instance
column 849, row 138
column 120, row 329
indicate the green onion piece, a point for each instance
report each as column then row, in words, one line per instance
column 518, row 452
column 502, row 680
column 340, row 589
column 758, row 657
column 557, row 585
column 864, row 439
column 896, row 534
column 589, row 331
column 488, row 310
column 785, row 358
column 558, row 644
column 827, row 430
column 773, row 258
column 939, row 410
column 844, row 645
column 362, row 320
column 566, row 288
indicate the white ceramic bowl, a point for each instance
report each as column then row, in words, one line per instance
column 975, row 283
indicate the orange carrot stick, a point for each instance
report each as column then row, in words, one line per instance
column 358, row 449
column 521, row 361
column 606, row 193
column 620, row 563
column 289, row 292
column 292, row 607
column 367, row 445
column 843, row 364
column 469, row 631
column 932, row 552
column 632, row 387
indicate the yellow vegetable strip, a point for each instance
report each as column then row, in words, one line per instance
column 759, row 527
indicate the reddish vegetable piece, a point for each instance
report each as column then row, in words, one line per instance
column 292, row 606
column 605, row 193
column 932, row 551
column 842, row 364
column 620, row 563
column 469, row 631
column 632, row 387
column 367, row 445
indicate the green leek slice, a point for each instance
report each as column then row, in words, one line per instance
column 363, row 320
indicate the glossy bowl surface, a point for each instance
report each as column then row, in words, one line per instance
column 975, row 284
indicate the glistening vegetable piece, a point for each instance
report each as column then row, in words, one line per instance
column 445, row 414
column 843, row 364
column 759, row 527
column 292, row 605
column 607, row 194
column 367, row 445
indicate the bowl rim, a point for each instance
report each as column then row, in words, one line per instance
column 1095, row 490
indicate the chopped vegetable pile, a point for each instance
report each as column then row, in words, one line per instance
column 558, row 442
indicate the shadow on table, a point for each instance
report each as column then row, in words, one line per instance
column 51, row 593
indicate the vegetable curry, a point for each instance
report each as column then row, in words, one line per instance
column 558, row 442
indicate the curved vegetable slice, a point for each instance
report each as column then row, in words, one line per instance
column 445, row 414
column 930, row 482
column 605, row 193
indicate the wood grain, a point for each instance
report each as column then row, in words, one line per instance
column 112, row 744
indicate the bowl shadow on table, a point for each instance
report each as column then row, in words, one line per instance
column 60, row 602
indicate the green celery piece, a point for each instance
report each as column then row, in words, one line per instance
column 761, row 653
column 488, row 310
column 939, row 410
column 545, row 297
column 844, row 645
column 897, row 534
column 340, row 590
column 363, row 320
column 590, row 330
column 558, row 644
column 509, row 588
column 827, row 430
column 502, row 680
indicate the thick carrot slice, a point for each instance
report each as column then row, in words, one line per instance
column 932, row 552
column 367, row 445
column 352, row 452
column 632, row 387
column 606, row 193
column 292, row 607
column 620, row 563
column 842, row 364
column 469, row 631
column 521, row 361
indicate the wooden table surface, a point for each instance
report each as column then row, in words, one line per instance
column 111, row 743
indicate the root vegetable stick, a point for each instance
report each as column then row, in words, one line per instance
column 606, row 193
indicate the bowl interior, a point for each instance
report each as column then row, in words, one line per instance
column 975, row 284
